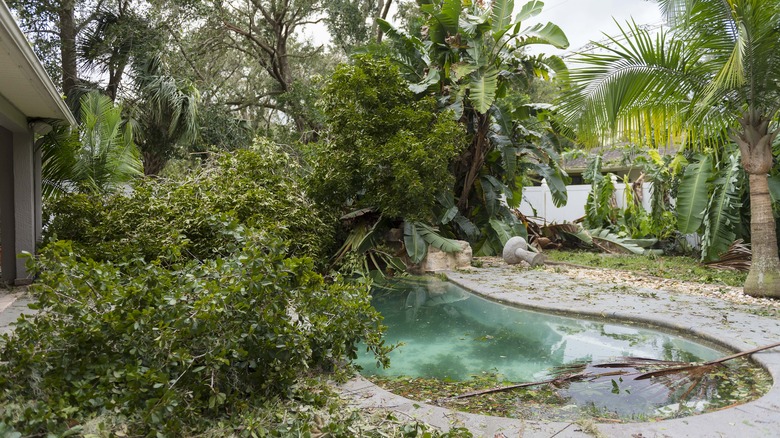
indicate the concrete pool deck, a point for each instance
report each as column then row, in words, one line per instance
column 736, row 327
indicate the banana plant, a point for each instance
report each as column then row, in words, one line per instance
column 472, row 59
column 710, row 201
column 600, row 209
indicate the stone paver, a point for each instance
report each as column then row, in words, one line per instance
column 730, row 325
column 12, row 304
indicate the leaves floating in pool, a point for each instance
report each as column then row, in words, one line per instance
column 736, row 383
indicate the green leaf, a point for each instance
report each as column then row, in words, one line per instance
column 502, row 15
column 463, row 69
column 544, row 34
column 556, row 181
column 430, row 80
column 774, row 187
column 483, row 89
column 416, row 247
column 449, row 215
column 605, row 239
column 443, row 20
column 436, row 240
column 692, row 195
column 469, row 229
column 723, row 211
column 530, row 9
column 502, row 230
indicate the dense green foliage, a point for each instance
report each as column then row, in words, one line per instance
column 97, row 157
column 174, row 221
column 471, row 58
column 185, row 305
column 383, row 148
column 166, row 349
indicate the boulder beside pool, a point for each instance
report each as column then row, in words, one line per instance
column 516, row 251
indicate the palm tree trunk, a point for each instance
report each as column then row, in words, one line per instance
column 764, row 277
column 755, row 144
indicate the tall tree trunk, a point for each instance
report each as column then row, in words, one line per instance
column 475, row 157
column 764, row 277
column 755, row 144
column 153, row 163
column 68, row 31
column 382, row 10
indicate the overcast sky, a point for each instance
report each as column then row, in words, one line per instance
column 587, row 20
column 581, row 20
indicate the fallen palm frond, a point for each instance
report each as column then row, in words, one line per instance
column 737, row 257
column 682, row 372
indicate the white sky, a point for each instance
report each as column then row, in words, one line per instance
column 587, row 20
column 582, row 20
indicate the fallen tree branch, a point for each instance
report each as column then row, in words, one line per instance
column 628, row 362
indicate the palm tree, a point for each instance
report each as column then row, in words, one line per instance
column 166, row 114
column 712, row 79
column 98, row 157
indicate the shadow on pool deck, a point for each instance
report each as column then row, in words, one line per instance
column 734, row 326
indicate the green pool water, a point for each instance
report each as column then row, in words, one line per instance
column 447, row 333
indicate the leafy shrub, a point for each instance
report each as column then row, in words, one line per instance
column 383, row 148
column 178, row 220
column 170, row 348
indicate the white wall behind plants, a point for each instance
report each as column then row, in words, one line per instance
column 540, row 199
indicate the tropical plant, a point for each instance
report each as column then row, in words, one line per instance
column 710, row 201
column 473, row 60
column 600, row 208
column 158, row 220
column 166, row 114
column 714, row 79
column 384, row 157
column 97, row 157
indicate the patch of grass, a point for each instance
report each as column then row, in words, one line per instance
column 672, row 267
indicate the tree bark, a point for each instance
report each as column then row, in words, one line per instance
column 476, row 153
column 68, row 31
column 763, row 280
column 755, row 144
column 153, row 163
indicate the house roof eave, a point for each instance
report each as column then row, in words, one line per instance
column 46, row 101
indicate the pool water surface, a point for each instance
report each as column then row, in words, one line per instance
column 445, row 332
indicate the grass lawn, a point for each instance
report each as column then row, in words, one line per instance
column 672, row 267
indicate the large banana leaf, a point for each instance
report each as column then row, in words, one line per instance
column 556, row 180
column 502, row 15
column 437, row 240
column 483, row 89
column 502, row 230
column 529, row 10
column 544, row 34
column 467, row 227
column 723, row 211
column 416, row 246
column 612, row 243
column 444, row 20
column 692, row 195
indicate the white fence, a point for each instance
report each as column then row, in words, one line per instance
column 539, row 198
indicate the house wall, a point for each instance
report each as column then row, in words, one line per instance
column 19, row 207
column 7, row 228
